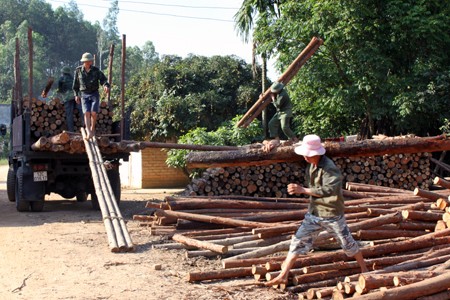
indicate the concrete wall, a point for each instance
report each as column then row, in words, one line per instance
column 148, row 169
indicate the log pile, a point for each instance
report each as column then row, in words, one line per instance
column 404, row 236
column 49, row 118
column 404, row 171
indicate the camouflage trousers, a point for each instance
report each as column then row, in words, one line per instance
column 302, row 241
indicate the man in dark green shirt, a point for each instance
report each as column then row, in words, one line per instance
column 326, row 207
column 282, row 118
column 65, row 94
column 86, row 83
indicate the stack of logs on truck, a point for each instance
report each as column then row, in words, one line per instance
column 404, row 230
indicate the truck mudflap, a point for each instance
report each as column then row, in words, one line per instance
column 29, row 190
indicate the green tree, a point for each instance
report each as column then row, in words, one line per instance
column 383, row 68
column 226, row 134
column 177, row 95
column 59, row 38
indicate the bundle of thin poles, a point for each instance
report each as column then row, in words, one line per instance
column 119, row 239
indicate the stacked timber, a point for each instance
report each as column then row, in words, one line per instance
column 404, row 236
column 49, row 118
column 404, row 171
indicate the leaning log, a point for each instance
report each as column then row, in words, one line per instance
column 364, row 148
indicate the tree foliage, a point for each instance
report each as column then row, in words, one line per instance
column 177, row 95
column 383, row 68
column 226, row 134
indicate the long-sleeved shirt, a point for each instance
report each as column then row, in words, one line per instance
column 283, row 103
column 65, row 83
column 325, row 180
column 88, row 82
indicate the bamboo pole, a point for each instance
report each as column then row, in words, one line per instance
column 113, row 202
column 103, row 208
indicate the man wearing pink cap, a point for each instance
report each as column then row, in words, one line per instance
column 326, row 207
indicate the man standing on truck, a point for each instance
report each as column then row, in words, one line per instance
column 86, row 83
column 65, row 93
column 282, row 118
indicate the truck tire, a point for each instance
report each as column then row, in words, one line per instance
column 81, row 196
column 37, row 206
column 114, row 180
column 21, row 204
column 11, row 184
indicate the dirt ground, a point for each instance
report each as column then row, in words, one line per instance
column 62, row 253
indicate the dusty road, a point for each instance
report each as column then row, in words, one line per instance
column 62, row 253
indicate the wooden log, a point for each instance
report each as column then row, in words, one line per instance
column 427, row 194
column 318, row 284
column 194, row 204
column 276, row 229
column 379, row 211
column 412, row 277
column 425, row 287
column 214, row 220
column 441, row 182
column 40, row 144
column 262, row 242
column 200, row 233
column 373, row 264
column 219, row 274
column 144, row 145
column 333, row 149
column 445, row 295
column 367, row 282
column 236, row 263
column 321, row 275
column 200, row 244
column 442, row 203
column 421, row 215
column 220, row 236
column 386, row 234
column 360, row 187
column 440, row 225
column 60, row 139
column 209, row 253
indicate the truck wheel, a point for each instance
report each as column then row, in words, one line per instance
column 81, row 196
column 21, row 205
column 114, row 180
column 94, row 201
column 11, row 184
column 37, row 206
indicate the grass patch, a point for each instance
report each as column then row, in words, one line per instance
column 3, row 161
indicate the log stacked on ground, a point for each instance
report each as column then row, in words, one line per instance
column 401, row 171
column 396, row 230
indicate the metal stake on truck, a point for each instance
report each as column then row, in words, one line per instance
column 33, row 174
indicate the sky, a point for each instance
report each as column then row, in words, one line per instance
column 175, row 27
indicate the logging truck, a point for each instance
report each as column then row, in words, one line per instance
column 33, row 174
